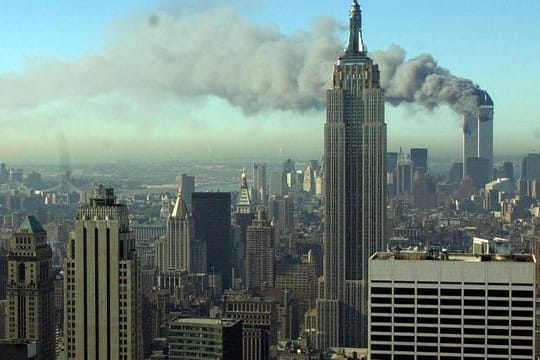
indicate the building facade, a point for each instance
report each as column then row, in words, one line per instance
column 212, row 216
column 478, row 132
column 355, row 192
column 102, row 301
column 174, row 250
column 195, row 339
column 260, row 252
column 429, row 305
column 30, row 289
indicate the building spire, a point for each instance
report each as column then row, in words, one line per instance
column 356, row 43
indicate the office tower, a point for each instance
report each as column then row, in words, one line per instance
column 259, row 318
column 530, row 167
column 391, row 174
column 300, row 278
column 355, row 192
column 429, row 305
column 278, row 184
column 478, row 171
column 212, row 216
column 309, row 180
column 102, row 292
column 205, row 339
column 419, row 157
column 478, row 132
column 280, row 212
column 424, row 192
column 405, row 174
column 186, row 183
column 242, row 218
column 30, row 288
column 455, row 173
column 260, row 252
column 508, row 170
column 174, row 250
column 259, row 183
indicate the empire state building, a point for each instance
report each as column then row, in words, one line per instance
column 355, row 198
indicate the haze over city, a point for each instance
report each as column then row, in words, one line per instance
column 192, row 80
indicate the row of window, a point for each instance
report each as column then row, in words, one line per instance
column 451, row 330
column 452, row 349
column 454, row 292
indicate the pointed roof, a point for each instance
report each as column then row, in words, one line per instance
column 244, row 198
column 356, row 43
column 180, row 209
column 31, row 225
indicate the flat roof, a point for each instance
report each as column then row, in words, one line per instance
column 207, row 322
column 444, row 256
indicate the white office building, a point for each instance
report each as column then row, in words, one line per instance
column 434, row 306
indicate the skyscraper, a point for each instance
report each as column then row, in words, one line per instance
column 259, row 183
column 430, row 305
column 212, row 216
column 260, row 252
column 30, row 288
column 174, row 250
column 419, row 157
column 478, row 132
column 242, row 219
column 355, row 192
column 530, row 167
column 102, row 295
column 405, row 175
column 187, row 186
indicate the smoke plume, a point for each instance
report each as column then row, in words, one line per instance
column 219, row 53
column 422, row 81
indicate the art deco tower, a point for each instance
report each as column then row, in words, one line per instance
column 30, row 288
column 174, row 250
column 102, row 293
column 355, row 193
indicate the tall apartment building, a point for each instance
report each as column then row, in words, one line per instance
column 260, row 252
column 102, row 294
column 194, row 339
column 429, row 305
column 212, row 216
column 354, row 192
column 30, row 289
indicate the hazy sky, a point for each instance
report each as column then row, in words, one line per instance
column 247, row 78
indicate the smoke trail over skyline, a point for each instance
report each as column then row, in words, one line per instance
column 256, row 68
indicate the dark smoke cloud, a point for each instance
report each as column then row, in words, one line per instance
column 219, row 53
column 422, row 81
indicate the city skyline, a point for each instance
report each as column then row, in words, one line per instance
column 74, row 82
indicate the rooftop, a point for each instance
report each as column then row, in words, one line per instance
column 31, row 225
column 207, row 322
column 434, row 255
